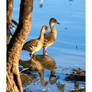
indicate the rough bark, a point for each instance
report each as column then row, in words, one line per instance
column 9, row 16
column 16, row 44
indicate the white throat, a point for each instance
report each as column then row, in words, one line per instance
column 52, row 24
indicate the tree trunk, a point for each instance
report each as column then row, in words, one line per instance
column 16, row 44
column 9, row 16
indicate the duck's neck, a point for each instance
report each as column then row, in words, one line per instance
column 53, row 29
column 42, row 35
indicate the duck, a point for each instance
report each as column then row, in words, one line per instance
column 35, row 45
column 50, row 38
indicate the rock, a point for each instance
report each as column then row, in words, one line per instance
column 76, row 75
column 81, row 89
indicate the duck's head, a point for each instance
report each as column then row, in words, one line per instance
column 53, row 21
column 45, row 28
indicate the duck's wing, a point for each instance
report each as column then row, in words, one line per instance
column 31, row 44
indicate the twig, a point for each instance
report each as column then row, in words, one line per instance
column 24, row 70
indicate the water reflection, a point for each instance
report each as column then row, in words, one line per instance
column 38, row 64
column 60, row 86
column 76, row 85
column 41, row 62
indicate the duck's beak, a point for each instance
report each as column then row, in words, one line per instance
column 58, row 23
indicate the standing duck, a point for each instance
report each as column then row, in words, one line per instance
column 50, row 38
column 35, row 45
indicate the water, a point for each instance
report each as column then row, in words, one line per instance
column 49, row 64
column 69, row 49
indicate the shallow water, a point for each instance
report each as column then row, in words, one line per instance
column 69, row 49
column 53, row 82
column 61, row 72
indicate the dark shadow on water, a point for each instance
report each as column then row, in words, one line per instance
column 38, row 64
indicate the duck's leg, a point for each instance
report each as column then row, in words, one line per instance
column 45, row 51
column 43, row 82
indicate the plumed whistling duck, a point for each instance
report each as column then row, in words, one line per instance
column 35, row 45
column 50, row 38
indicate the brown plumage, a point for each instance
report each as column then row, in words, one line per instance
column 35, row 45
column 50, row 38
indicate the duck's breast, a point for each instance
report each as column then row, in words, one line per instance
column 49, row 39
